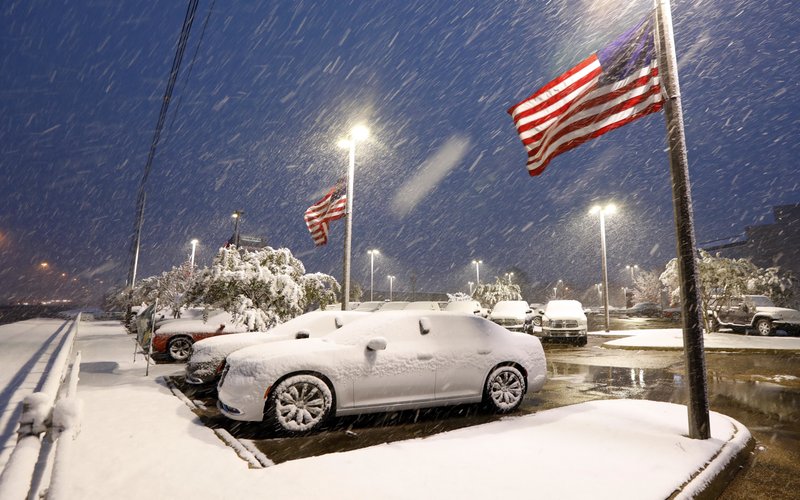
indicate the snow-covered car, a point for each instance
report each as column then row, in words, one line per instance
column 208, row 356
column 467, row 306
column 644, row 309
column 564, row 320
column 516, row 315
column 386, row 362
column 369, row 306
column 395, row 305
column 755, row 312
column 175, row 337
column 422, row 305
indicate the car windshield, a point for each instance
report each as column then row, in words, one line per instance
column 510, row 307
column 761, row 301
column 561, row 307
column 463, row 306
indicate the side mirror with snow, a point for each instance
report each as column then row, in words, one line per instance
column 424, row 326
column 377, row 344
column 338, row 321
column 302, row 334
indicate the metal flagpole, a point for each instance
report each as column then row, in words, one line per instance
column 699, row 426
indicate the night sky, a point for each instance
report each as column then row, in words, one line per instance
column 261, row 102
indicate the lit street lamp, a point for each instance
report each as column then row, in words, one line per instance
column 632, row 268
column 509, row 276
column 608, row 209
column 477, row 271
column 194, row 243
column 357, row 133
column 372, row 254
column 391, row 283
column 236, row 215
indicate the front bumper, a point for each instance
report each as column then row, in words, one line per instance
column 564, row 333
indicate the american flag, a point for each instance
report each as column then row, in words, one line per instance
column 332, row 206
column 611, row 88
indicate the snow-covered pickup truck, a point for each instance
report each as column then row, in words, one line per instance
column 756, row 312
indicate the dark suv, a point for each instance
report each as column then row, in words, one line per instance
column 755, row 312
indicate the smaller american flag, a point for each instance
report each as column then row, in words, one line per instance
column 331, row 207
column 609, row 89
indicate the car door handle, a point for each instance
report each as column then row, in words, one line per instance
column 484, row 351
column 424, row 357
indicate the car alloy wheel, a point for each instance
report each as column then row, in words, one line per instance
column 300, row 403
column 505, row 389
column 764, row 327
column 180, row 348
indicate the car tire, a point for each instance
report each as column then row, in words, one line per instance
column 764, row 327
column 299, row 404
column 179, row 348
column 581, row 341
column 505, row 389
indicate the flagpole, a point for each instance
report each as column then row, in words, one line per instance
column 694, row 354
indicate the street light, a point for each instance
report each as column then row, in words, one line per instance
column 391, row 283
column 608, row 209
column 194, row 243
column 372, row 254
column 632, row 268
column 477, row 271
column 509, row 276
column 357, row 133
column 470, row 283
column 236, row 215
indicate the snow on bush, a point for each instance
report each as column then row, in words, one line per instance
column 262, row 288
column 490, row 294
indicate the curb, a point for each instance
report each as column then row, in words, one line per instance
column 733, row 350
column 707, row 484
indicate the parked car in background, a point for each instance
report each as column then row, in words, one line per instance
column 175, row 337
column 395, row 305
column 516, row 315
column 564, row 320
column 644, row 310
column 422, row 305
column 756, row 312
column 387, row 362
column 467, row 306
column 208, row 357
column 369, row 306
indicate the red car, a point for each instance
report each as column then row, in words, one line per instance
column 175, row 337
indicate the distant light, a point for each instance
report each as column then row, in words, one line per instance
column 44, row 265
column 343, row 143
column 235, row 215
column 195, row 242
column 359, row 132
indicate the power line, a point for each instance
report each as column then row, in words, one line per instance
column 162, row 116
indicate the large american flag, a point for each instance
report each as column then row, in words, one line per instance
column 332, row 206
column 611, row 88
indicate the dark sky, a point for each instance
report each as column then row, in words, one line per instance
column 274, row 85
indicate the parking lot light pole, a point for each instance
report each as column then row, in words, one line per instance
column 632, row 268
column 477, row 271
column 357, row 133
column 194, row 250
column 608, row 209
column 372, row 254
column 236, row 216
column 391, row 283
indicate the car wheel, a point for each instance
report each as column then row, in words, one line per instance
column 764, row 327
column 581, row 341
column 179, row 348
column 299, row 403
column 505, row 389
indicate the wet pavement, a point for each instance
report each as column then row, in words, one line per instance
column 762, row 391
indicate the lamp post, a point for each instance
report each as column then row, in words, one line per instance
column 391, row 283
column 509, row 276
column 470, row 283
column 372, row 254
column 357, row 133
column 236, row 216
column 603, row 211
column 194, row 249
column 632, row 268
column 477, row 271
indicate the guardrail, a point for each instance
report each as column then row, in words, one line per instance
column 46, row 416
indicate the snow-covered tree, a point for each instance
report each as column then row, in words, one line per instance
column 647, row 287
column 458, row 297
column 168, row 288
column 261, row 288
column 722, row 278
column 490, row 294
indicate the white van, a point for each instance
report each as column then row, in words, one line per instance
column 515, row 315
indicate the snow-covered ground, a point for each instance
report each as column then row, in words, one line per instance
column 26, row 348
column 138, row 440
column 673, row 339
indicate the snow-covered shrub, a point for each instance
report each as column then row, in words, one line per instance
column 490, row 294
column 261, row 288
column 647, row 287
